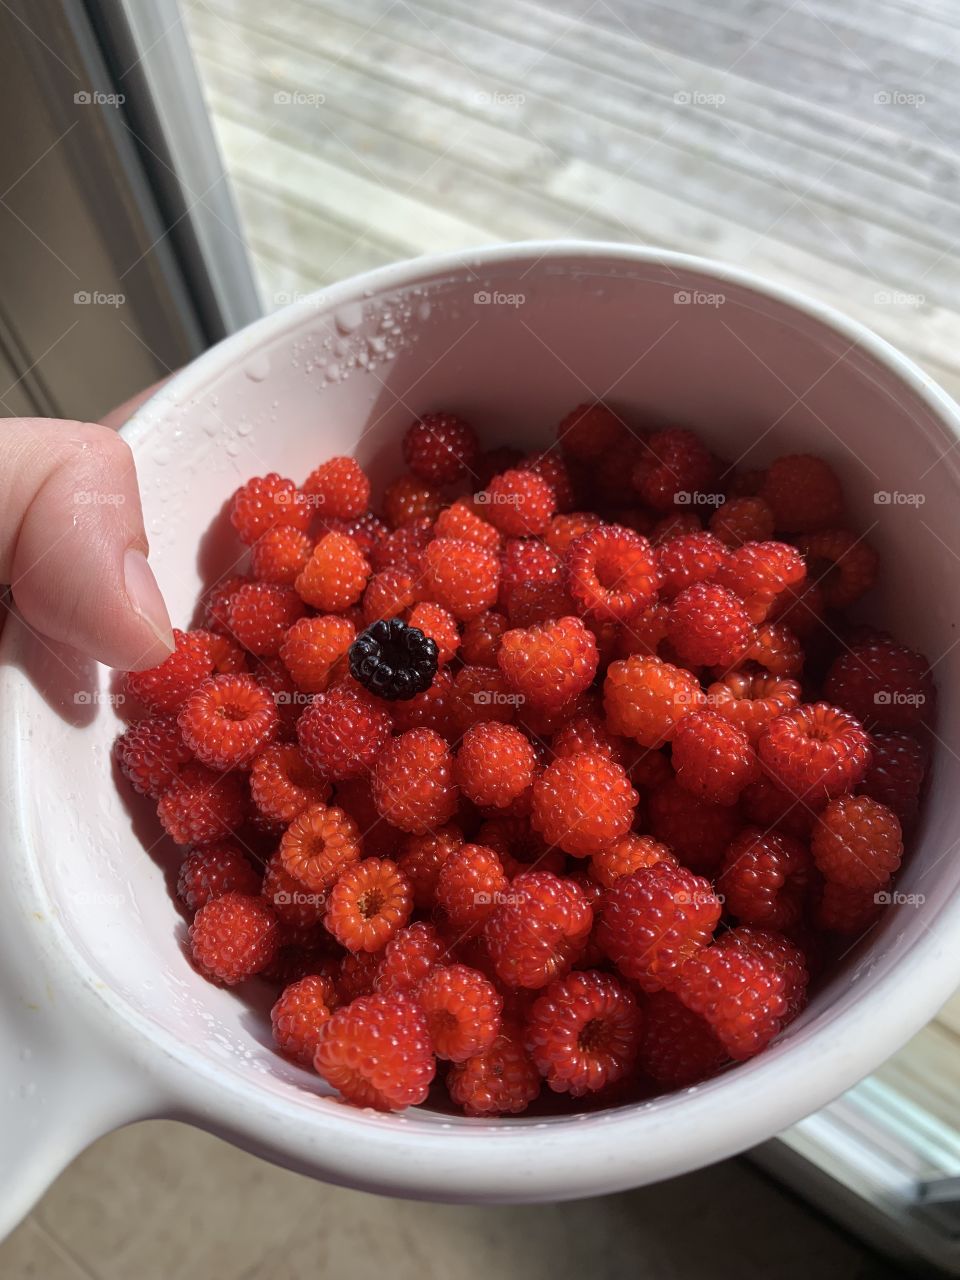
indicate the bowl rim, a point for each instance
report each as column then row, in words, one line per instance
column 524, row 1158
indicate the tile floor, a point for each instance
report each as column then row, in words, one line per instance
column 160, row 1200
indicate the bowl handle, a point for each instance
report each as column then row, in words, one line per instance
column 61, row 1087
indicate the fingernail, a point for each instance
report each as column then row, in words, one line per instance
column 144, row 595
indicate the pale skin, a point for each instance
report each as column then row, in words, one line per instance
column 73, row 548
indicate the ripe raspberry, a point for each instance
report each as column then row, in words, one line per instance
column 212, row 871
column 280, row 554
column 564, row 530
column 896, row 774
column 767, row 805
column 653, row 920
column 650, row 769
column 847, row 911
column 413, row 781
column 312, row 648
column 646, row 633
column 339, row 488
column 713, row 759
column 815, row 751
column 493, row 461
column 746, row 991
column 260, row 614
column 335, row 575
column 539, row 931
column 627, row 855
column 412, row 953
column 612, row 573
column 464, row 523
column 677, row 1047
column 149, row 754
column 216, row 602
column 298, row 1015
column 366, row 531
column 358, row 974
column 687, row 559
column 883, row 684
column 540, row 601
column 481, row 694
column 677, row 525
column 776, row 649
column 481, row 637
column 376, row 1052
column 583, row 803
column 500, row 1081
column 440, row 447
column 408, row 500
column 742, row 520
column 644, row 698
column 496, row 763
column 282, row 784
column 591, row 431
column 673, row 462
column 555, row 471
column 708, row 626
column 228, row 720
column 519, row 503
column 201, row 806
column 299, row 909
column 388, row 594
column 470, row 882
column 228, row 657
column 266, row 501
column 801, row 608
column 857, row 842
column 319, row 845
column 369, row 903
column 342, row 732
column 524, row 561
column 420, row 858
column 164, row 689
column 438, row 625
column 745, row 483
column 432, row 709
column 518, row 846
column 549, row 665
column 355, row 797
column 402, row 548
column 698, row 832
column 803, row 493
column 587, row 731
column 463, row 1011
column 461, row 576
column 233, row 937
column 751, row 702
column 765, row 878
column 272, row 675
column 584, row 1033
column 759, row 572
column 842, row 563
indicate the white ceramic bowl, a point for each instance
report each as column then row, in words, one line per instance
column 102, row 1019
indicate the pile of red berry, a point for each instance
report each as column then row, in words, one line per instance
column 562, row 769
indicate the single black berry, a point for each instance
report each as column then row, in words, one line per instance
column 393, row 660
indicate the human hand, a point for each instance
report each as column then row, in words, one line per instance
column 72, row 542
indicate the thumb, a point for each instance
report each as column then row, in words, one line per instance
column 72, row 543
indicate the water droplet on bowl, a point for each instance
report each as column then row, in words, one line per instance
column 257, row 367
column 349, row 317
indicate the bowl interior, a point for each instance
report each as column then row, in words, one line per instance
column 512, row 345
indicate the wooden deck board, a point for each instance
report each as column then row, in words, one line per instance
column 797, row 171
